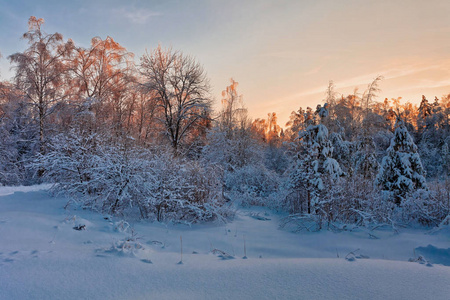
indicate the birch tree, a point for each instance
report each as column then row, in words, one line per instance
column 41, row 70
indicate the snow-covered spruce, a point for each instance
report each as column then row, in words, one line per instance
column 315, row 169
column 401, row 170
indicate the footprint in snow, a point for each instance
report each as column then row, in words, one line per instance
column 34, row 253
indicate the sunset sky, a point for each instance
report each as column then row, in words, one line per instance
column 282, row 53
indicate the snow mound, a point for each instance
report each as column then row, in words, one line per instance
column 435, row 255
column 9, row 190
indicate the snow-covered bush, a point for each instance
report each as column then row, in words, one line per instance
column 254, row 185
column 302, row 222
column 434, row 207
column 117, row 178
column 18, row 140
column 276, row 159
column 185, row 191
column 246, row 179
column 9, row 167
column 353, row 201
column 92, row 170
column 421, row 208
column 232, row 149
column 346, row 202
column 129, row 246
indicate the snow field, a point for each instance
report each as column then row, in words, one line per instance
column 43, row 257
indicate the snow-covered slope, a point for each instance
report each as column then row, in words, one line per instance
column 43, row 257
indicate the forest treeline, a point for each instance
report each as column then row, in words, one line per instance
column 141, row 139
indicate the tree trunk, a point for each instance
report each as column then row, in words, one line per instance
column 309, row 202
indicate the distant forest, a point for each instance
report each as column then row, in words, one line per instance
column 141, row 140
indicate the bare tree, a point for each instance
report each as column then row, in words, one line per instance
column 182, row 91
column 98, row 67
column 104, row 73
column 371, row 93
column 40, row 71
column 232, row 105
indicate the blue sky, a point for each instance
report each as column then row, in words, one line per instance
column 282, row 53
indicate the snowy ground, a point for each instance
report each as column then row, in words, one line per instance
column 43, row 257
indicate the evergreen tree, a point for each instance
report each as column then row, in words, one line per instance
column 342, row 152
column 401, row 170
column 365, row 159
column 424, row 114
column 315, row 168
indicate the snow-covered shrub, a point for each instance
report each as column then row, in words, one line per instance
column 241, row 156
column 276, row 159
column 18, row 141
column 117, row 178
column 302, row 222
column 433, row 207
column 99, row 174
column 346, row 201
column 232, row 149
column 421, row 208
column 129, row 246
column 254, row 185
column 186, row 191
column 353, row 201
column 356, row 202
column 433, row 158
column 9, row 169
